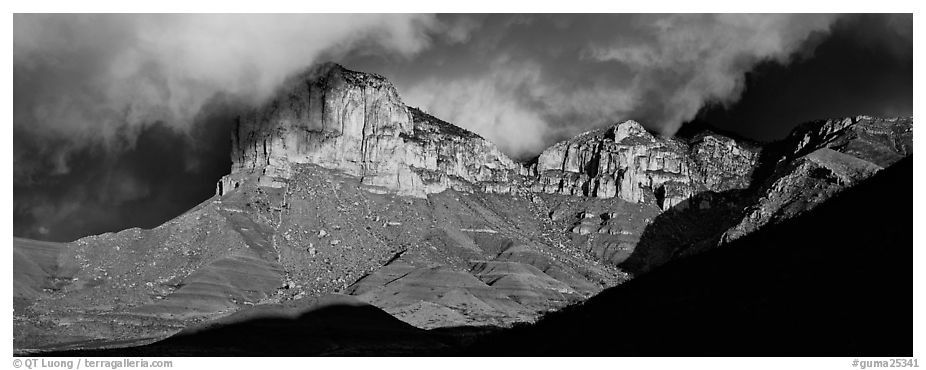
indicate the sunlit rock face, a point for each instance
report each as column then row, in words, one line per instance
column 882, row 141
column 819, row 160
column 720, row 163
column 628, row 162
column 444, row 156
column 355, row 122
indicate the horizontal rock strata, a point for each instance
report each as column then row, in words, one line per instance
column 628, row 162
column 356, row 123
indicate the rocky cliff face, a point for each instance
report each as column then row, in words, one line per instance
column 820, row 159
column 355, row 122
column 444, row 156
column 628, row 162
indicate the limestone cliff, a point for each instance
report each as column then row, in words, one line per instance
column 355, row 122
column 628, row 162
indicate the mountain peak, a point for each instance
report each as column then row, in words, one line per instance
column 629, row 128
column 355, row 122
column 332, row 74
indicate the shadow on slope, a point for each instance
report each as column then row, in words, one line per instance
column 836, row 281
column 698, row 223
column 687, row 226
column 332, row 325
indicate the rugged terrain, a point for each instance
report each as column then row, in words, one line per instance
column 786, row 290
column 337, row 187
column 814, row 285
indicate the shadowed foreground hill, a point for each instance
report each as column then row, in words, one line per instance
column 331, row 325
column 834, row 282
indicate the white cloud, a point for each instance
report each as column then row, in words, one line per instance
column 112, row 71
column 660, row 69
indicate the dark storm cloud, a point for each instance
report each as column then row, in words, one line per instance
column 525, row 81
column 863, row 66
column 108, row 187
column 94, row 74
column 122, row 120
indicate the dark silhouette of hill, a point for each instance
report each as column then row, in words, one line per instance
column 679, row 229
column 836, row 281
column 332, row 325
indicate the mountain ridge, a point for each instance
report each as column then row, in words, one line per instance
column 337, row 186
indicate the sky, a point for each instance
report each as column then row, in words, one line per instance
column 123, row 120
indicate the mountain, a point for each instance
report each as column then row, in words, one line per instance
column 792, row 289
column 338, row 187
column 814, row 285
column 819, row 159
column 355, row 122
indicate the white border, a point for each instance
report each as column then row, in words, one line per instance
column 493, row 6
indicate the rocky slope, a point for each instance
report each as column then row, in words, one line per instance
column 337, row 186
column 818, row 160
column 787, row 290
